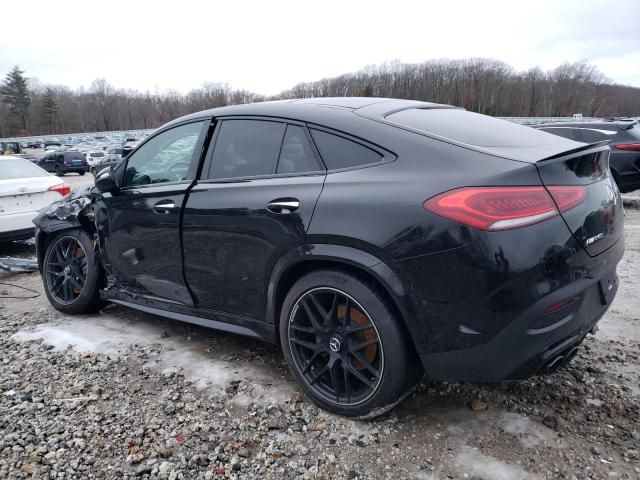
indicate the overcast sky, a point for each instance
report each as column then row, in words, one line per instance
column 269, row 46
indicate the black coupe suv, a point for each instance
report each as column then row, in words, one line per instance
column 624, row 135
column 373, row 239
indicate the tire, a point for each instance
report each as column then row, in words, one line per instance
column 59, row 171
column 372, row 322
column 86, row 297
column 93, row 172
column 81, row 172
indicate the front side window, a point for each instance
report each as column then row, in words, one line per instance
column 164, row 158
column 339, row 152
column 246, row 148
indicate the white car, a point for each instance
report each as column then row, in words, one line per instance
column 25, row 188
column 94, row 156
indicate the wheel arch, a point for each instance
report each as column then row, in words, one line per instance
column 364, row 265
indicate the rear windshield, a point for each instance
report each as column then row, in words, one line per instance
column 11, row 168
column 75, row 155
column 470, row 128
column 97, row 154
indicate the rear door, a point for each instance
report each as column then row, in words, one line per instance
column 142, row 242
column 253, row 203
column 47, row 162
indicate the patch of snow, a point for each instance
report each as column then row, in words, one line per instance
column 472, row 462
column 464, row 423
column 594, row 402
column 113, row 336
column 426, row 476
column 530, row 433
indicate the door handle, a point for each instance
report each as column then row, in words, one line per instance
column 164, row 206
column 284, row 205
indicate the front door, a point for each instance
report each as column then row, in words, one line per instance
column 142, row 243
column 253, row 203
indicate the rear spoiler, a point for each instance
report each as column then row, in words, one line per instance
column 583, row 150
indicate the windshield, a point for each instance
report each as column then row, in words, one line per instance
column 12, row 168
column 470, row 128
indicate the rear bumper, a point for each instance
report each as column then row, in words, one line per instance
column 17, row 226
column 82, row 168
column 520, row 351
column 478, row 312
column 22, row 234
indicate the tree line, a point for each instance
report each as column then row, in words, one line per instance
column 30, row 107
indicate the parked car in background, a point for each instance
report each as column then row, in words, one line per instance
column 51, row 143
column 103, row 163
column 61, row 162
column 9, row 148
column 25, row 188
column 94, row 156
column 624, row 138
column 29, row 156
column 113, row 152
column 373, row 239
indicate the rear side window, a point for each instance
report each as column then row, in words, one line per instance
column 339, row 152
column 296, row 155
column 246, row 148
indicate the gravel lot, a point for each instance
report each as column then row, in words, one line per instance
column 123, row 394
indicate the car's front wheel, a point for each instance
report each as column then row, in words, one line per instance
column 345, row 345
column 71, row 273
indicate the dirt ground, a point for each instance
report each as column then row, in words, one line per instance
column 123, row 394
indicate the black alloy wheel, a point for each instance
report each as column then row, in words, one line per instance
column 66, row 270
column 336, row 346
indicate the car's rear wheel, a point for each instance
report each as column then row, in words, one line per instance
column 71, row 274
column 59, row 171
column 345, row 345
column 81, row 172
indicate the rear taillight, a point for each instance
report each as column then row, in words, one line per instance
column 567, row 197
column 62, row 188
column 503, row 208
column 630, row 147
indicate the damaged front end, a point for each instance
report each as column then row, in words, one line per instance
column 75, row 211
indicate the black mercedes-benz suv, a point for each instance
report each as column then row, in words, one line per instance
column 624, row 135
column 374, row 239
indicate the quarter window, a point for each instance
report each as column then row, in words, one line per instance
column 164, row 158
column 296, row 155
column 338, row 152
column 246, row 148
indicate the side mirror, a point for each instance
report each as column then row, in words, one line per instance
column 105, row 181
